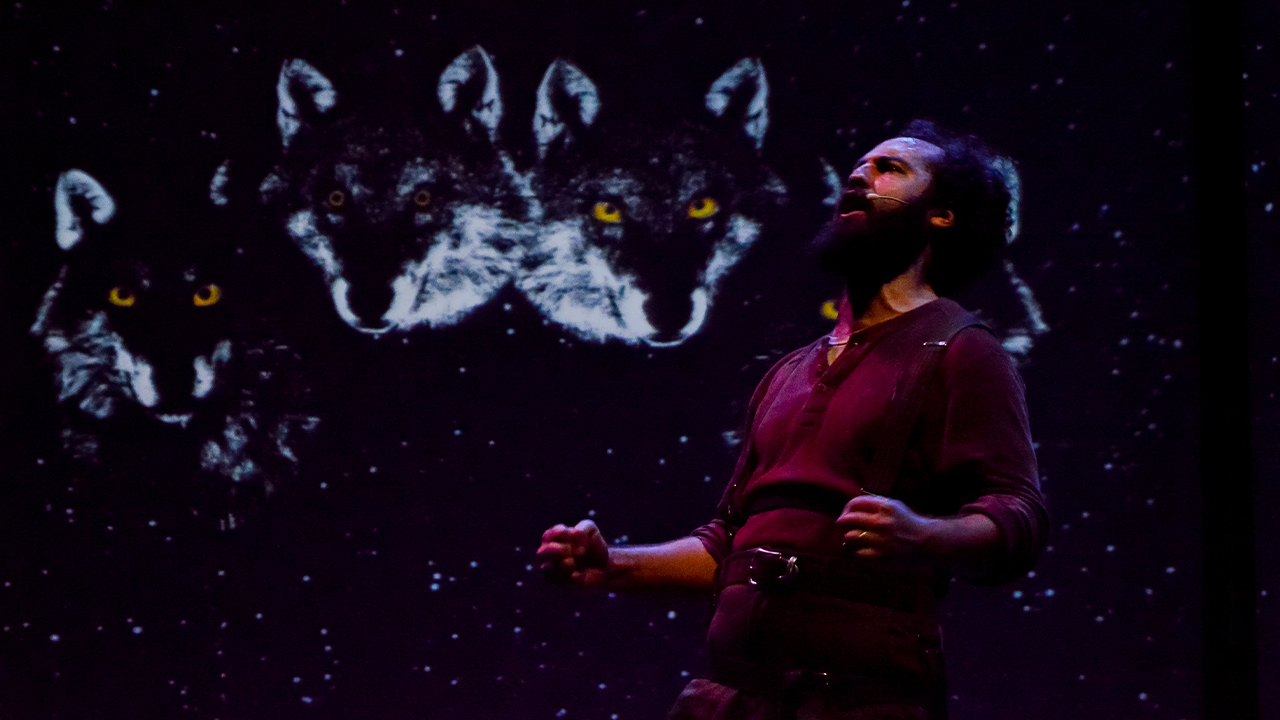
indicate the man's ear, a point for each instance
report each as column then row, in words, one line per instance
column 942, row 218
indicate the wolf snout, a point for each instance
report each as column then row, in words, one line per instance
column 675, row 317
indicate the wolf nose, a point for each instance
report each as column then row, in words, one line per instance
column 668, row 313
column 369, row 303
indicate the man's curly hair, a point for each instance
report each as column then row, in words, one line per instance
column 981, row 188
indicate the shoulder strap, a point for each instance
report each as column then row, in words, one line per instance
column 907, row 400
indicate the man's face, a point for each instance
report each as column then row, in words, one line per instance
column 894, row 175
column 883, row 221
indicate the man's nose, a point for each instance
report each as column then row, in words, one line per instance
column 860, row 177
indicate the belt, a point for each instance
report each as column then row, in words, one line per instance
column 805, row 497
column 838, row 577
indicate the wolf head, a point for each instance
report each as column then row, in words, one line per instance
column 141, row 314
column 149, row 321
column 639, row 224
column 411, row 222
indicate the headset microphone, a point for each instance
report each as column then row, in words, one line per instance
column 873, row 196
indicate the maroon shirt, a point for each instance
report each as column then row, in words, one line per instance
column 814, row 430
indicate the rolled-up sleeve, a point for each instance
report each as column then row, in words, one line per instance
column 717, row 538
column 986, row 454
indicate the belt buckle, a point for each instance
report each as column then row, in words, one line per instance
column 769, row 568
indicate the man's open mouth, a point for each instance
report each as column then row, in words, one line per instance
column 853, row 201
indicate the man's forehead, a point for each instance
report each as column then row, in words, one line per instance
column 907, row 148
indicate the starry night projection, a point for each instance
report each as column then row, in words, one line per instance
column 283, row 428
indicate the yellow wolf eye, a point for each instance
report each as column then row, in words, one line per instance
column 608, row 212
column 422, row 198
column 704, row 208
column 208, row 295
column 337, row 199
column 121, row 296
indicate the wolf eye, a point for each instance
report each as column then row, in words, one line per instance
column 608, row 212
column 704, row 208
column 422, row 198
column 337, row 199
column 208, row 295
column 121, row 296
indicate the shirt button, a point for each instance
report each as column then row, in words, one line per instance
column 822, row 387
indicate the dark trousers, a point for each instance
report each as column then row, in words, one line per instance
column 789, row 655
column 707, row 700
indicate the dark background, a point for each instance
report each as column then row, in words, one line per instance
column 392, row 578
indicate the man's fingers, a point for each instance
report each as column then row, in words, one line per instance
column 553, row 545
column 567, row 537
column 857, row 520
column 569, row 555
column 876, row 504
column 864, row 537
column 554, row 531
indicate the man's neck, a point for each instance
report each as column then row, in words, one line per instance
column 904, row 293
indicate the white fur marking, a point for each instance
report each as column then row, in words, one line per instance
column 321, row 95
column 207, row 368
column 41, row 325
column 462, row 270
column 488, row 111
column 218, row 185
column 79, row 184
column 1017, row 344
column 742, row 233
column 1028, row 298
column 338, row 290
column 1007, row 170
column 835, row 188
column 696, row 318
column 139, row 372
column 204, row 377
column 576, row 287
column 314, row 244
column 547, row 123
column 756, row 120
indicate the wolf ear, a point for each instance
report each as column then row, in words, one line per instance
column 743, row 92
column 76, row 198
column 301, row 89
column 470, row 82
column 567, row 103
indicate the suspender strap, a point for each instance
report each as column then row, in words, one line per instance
column 908, row 400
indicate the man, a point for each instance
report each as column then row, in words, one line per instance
column 879, row 461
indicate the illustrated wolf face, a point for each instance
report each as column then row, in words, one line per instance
column 640, row 226
column 412, row 222
column 147, row 323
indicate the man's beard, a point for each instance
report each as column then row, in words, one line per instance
column 869, row 257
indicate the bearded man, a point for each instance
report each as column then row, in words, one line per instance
column 879, row 461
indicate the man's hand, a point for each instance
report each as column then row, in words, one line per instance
column 575, row 556
column 877, row 526
column 881, row 527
